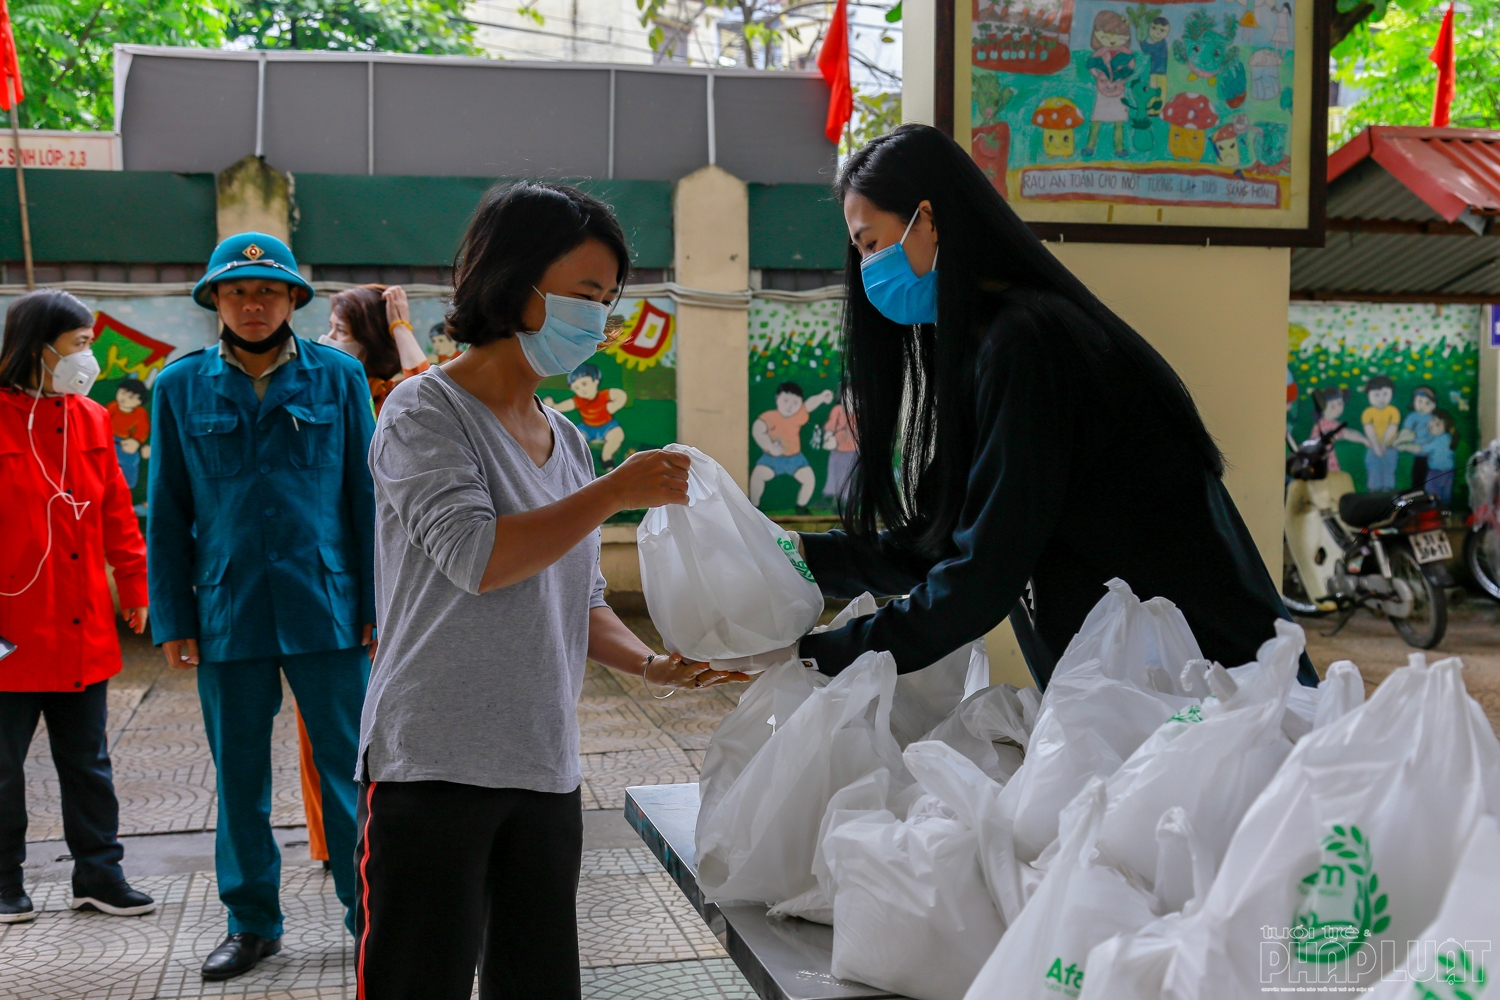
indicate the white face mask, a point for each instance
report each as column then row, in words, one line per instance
column 349, row 347
column 75, row 373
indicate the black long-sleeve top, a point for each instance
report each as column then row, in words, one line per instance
column 1078, row 477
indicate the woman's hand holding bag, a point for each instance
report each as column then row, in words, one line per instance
column 650, row 479
column 670, row 670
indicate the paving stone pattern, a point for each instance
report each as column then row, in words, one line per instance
column 638, row 937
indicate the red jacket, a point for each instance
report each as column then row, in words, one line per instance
column 63, row 625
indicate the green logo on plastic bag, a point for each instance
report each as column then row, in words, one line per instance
column 1068, row 981
column 1193, row 713
column 1462, row 977
column 1342, row 904
column 797, row 563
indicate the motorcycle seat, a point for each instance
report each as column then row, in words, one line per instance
column 1360, row 510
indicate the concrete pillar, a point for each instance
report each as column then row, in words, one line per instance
column 252, row 197
column 711, row 228
column 918, row 56
column 1489, row 377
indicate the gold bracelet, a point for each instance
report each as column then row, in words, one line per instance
column 399, row 322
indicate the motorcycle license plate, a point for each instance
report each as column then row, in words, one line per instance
column 1431, row 546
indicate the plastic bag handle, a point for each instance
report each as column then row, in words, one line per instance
column 700, row 469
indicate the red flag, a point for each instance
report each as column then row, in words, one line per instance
column 833, row 63
column 10, row 65
column 1442, row 56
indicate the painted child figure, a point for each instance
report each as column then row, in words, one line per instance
column 444, row 349
column 1437, row 452
column 1154, row 48
column 1414, row 430
column 1382, row 422
column 132, row 428
column 778, row 432
column 843, row 452
column 597, row 410
column 1112, row 64
column 1330, row 404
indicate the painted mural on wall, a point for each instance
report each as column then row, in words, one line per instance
column 135, row 338
column 1170, row 103
column 1402, row 378
column 624, row 398
column 801, row 442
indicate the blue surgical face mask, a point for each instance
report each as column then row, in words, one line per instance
column 895, row 290
column 570, row 335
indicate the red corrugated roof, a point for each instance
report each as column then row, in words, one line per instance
column 1451, row 169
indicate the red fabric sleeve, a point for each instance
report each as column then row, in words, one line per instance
column 124, row 548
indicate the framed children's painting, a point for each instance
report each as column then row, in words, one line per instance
column 1163, row 122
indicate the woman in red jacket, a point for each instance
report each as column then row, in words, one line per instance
column 66, row 513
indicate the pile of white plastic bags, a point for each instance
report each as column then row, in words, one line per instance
column 1154, row 826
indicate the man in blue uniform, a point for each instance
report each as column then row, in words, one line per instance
column 260, row 564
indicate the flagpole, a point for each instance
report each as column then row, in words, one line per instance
column 15, row 131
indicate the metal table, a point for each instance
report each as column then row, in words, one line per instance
column 782, row 959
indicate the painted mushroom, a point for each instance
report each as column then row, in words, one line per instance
column 1227, row 145
column 1057, row 117
column 1190, row 117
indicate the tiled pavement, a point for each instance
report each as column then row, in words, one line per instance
column 639, row 938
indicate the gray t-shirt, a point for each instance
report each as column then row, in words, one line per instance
column 480, row 689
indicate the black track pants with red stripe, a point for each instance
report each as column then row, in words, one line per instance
column 452, row 876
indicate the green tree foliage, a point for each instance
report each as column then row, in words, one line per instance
column 66, row 48
column 875, row 114
column 430, row 27
column 1387, row 62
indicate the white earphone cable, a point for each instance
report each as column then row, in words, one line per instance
column 58, row 492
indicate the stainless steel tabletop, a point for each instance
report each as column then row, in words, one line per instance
column 782, row 959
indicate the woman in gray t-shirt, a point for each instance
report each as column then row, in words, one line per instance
column 490, row 600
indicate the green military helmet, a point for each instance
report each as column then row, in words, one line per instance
column 251, row 255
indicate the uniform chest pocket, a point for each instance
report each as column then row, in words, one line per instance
column 314, row 434
column 215, row 448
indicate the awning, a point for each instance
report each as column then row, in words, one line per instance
column 1411, row 216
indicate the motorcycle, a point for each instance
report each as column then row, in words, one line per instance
column 1482, row 539
column 1386, row 552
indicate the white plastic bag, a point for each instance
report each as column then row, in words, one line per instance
column 1345, row 855
column 1080, row 903
column 721, row 579
column 911, row 913
column 979, row 801
column 991, row 728
column 1455, row 957
column 870, row 794
column 1343, row 691
column 759, row 840
column 1131, row 966
column 1213, row 760
column 775, row 694
column 927, row 696
column 1115, row 685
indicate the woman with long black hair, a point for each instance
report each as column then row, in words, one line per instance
column 1020, row 444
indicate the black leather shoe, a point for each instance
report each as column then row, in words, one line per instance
column 238, row 955
column 117, row 899
column 15, row 905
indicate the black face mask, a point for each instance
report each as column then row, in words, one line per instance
column 272, row 342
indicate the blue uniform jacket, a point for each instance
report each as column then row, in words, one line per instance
column 262, row 512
